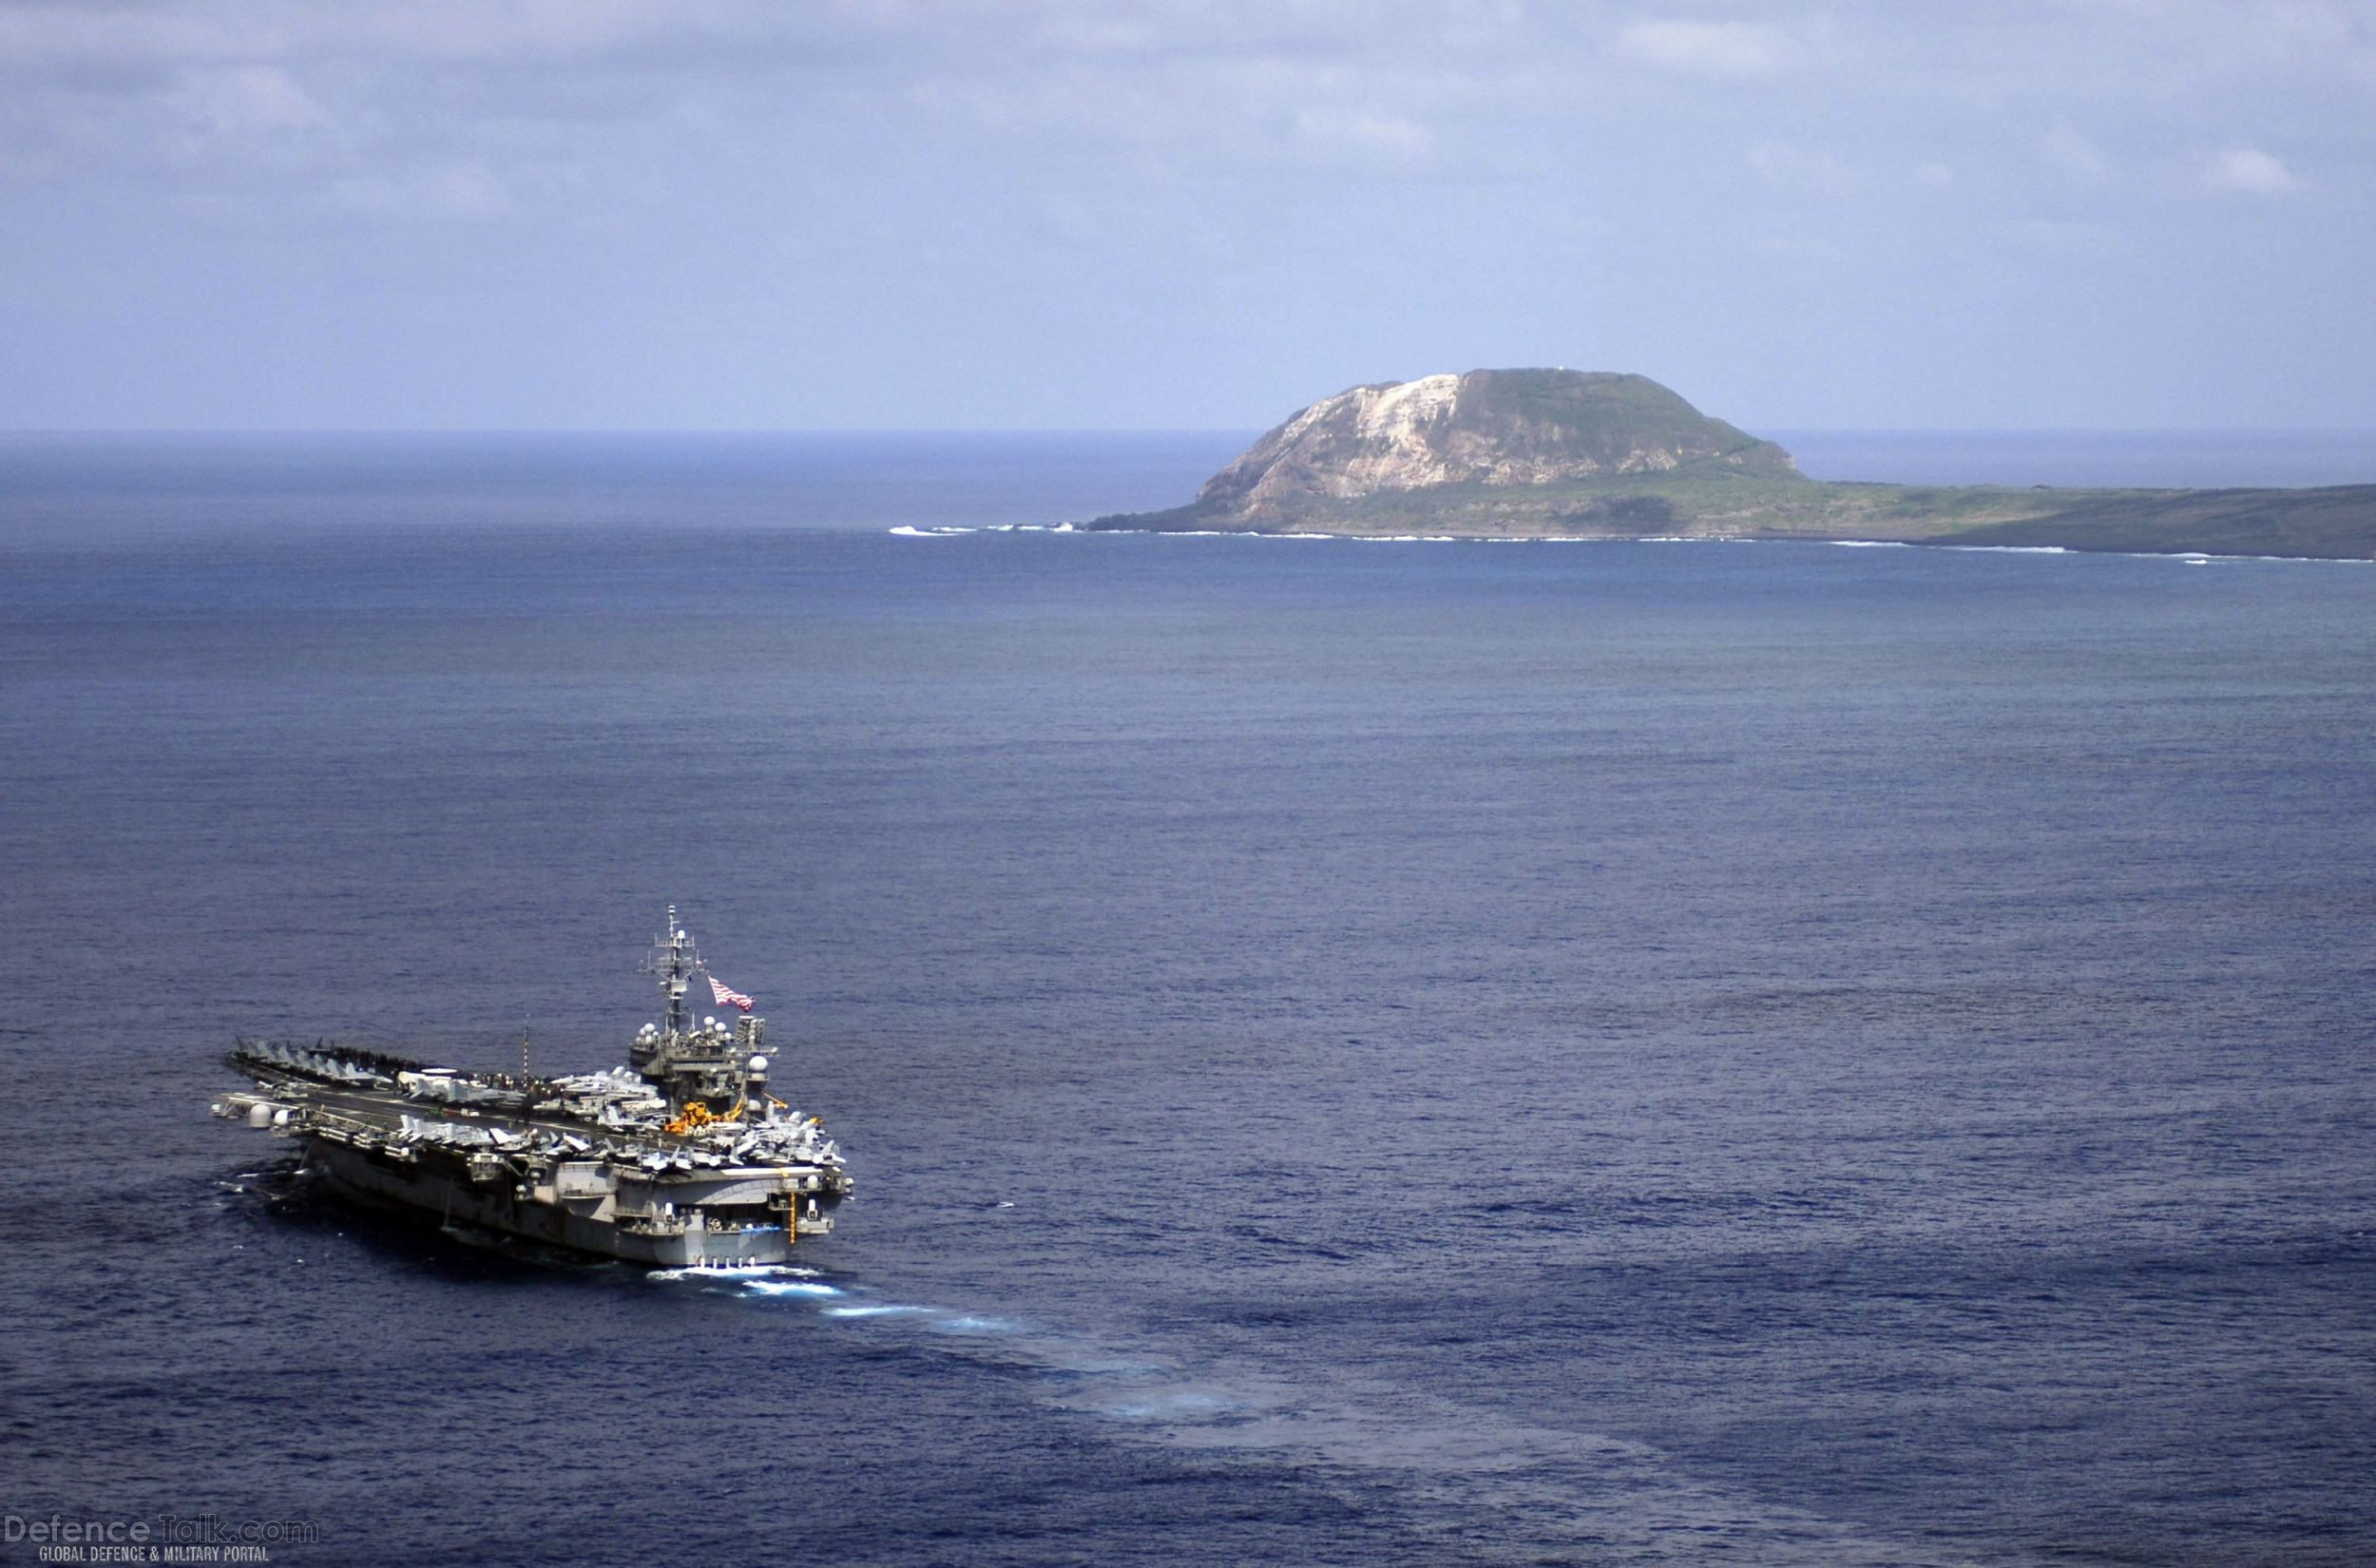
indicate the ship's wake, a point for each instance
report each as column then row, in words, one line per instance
column 1082, row 1375
column 1553, row 1493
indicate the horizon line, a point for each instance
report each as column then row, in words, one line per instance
column 196, row 432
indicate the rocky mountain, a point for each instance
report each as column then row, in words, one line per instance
column 1535, row 453
column 1485, row 427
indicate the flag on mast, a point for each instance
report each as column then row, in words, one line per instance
column 727, row 996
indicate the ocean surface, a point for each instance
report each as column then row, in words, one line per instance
column 1351, row 1053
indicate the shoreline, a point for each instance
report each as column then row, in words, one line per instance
column 2194, row 557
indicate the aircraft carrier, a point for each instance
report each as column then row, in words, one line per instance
column 679, row 1156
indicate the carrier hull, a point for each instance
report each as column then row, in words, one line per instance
column 449, row 1197
column 682, row 1157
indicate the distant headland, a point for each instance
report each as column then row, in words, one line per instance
column 1558, row 453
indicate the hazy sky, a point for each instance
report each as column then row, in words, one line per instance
column 1179, row 213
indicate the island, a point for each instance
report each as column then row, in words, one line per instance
column 1598, row 454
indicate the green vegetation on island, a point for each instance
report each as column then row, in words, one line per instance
column 1592, row 454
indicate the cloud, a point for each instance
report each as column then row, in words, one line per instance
column 2062, row 235
column 457, row 190
column 1786, row 167
column 250, row 100
column 1361, row 132
column 184, row 30
column 2073, row 153
column 2251, row 170
column 1708, row 49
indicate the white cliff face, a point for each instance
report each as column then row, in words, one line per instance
column 1393, row 429
column 1468, row 429
column 1386, row 437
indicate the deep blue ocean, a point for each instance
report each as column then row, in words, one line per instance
column 1351, row 1053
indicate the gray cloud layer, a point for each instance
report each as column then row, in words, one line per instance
column 612, row 213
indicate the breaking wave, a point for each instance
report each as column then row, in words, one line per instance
column 949, row 530
column 2195, row 557
column 2010, row 549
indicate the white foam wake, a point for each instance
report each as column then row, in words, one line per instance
column 794, row 1287
column 880, row 1309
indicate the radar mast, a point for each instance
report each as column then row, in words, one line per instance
column 674, row 960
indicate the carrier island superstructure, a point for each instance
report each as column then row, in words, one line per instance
column 681, row 1157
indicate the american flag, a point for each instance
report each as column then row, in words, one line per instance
column 726, row 994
